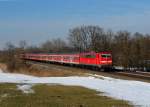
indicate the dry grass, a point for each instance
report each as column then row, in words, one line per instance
column 51, row 71
column 56, row 96
column 44, row 71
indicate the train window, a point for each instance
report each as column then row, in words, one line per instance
column 106, row 55
column 43, row 57
column 66, row 58
column 50, row 57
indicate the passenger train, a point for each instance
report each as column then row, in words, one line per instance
column 93, row 59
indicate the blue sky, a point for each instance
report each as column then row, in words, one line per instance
column 39, row 20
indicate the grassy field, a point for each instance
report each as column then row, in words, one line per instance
column 55, row 96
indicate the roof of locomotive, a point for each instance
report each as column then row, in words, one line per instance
column 77, row 53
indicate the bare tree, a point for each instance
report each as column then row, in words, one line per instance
column 78, row 39
column 54, row 46
column 47, row 46
column 10, row 56
column 87, row 38
column 23, row 44
column 121, row 48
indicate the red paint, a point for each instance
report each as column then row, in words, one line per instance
column 91, row 58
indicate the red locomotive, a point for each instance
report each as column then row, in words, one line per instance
column 101, row 59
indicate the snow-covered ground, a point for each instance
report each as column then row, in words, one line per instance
column 138, row 93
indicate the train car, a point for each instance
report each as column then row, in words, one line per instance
column 101, row 59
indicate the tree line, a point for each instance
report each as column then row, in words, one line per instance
column 128, row 49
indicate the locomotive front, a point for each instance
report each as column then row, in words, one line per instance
column 105, row 59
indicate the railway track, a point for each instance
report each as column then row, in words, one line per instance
column 144, row 73
column 142, row 76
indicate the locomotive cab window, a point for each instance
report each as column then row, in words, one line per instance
column 106, row 55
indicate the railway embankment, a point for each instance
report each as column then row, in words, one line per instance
column 53, row 70
column 46, row 70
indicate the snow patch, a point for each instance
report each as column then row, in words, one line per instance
column 27, row 88
column 134, row 91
